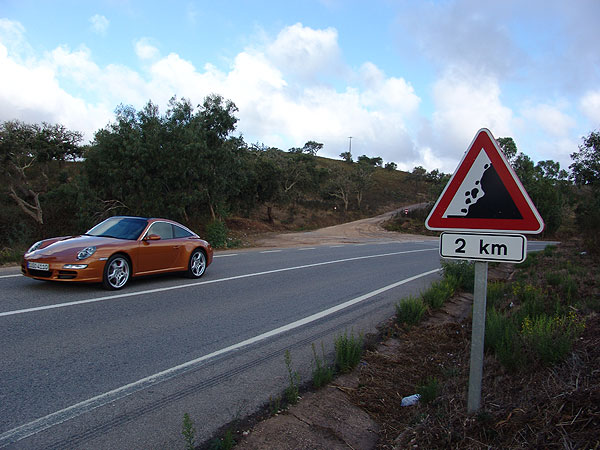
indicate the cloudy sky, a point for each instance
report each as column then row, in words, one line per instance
column 410, row 81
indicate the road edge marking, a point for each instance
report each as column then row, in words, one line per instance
column 199, row 283
column 56, row 418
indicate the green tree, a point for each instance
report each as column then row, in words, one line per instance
column 586, row 162
column 508, row 147
column 362, row 176
column 341, row 186
column 391, row 166
column 377, row 161
column 32, row 156
column 346, row 156
column 546, row 184
column 586, row 174
column 179, row 164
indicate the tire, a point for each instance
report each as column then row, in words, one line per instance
column 116, row 272
column 197, row 264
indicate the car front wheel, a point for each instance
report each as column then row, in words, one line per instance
column 197, row 264
column 116, row 272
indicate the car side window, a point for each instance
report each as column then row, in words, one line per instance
column 163, row 229
column 179, row 232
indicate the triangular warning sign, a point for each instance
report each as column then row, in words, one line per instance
column 485, row 194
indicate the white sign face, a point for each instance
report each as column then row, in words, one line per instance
column 484, row 246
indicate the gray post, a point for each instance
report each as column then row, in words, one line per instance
column 477, row 336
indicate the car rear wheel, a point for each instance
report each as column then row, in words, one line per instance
column 197, row 264
column 116, row 272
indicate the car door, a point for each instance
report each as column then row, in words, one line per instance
column 158, row 250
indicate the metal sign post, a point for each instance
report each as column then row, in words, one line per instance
column 477, row 336
column 479, row 210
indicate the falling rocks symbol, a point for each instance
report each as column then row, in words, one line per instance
column 494, row 203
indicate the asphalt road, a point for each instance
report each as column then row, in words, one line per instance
column 81, row 367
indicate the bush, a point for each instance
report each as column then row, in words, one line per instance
column 531, row 300
column 216, row 234
column 438, row 293
column 502, row 338
column 496, row 291
column 292, row 392
column 550, row 339
column 429, row 390
column 348, row 351
column 410, row 311
column 323, row 373
column 463, row 272
column 530, row 261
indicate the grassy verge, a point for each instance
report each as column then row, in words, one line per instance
column 541, row 381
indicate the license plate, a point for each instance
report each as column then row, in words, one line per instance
column 38, row 266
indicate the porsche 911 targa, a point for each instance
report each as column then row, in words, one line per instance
column 117, row 249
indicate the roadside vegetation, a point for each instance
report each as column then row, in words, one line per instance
column 188, row 164
column 541, row 387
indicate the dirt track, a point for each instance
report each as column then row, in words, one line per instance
column 359, row 231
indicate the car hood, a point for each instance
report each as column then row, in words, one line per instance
column 74, row 245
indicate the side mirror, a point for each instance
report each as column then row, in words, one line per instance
column 153, row 237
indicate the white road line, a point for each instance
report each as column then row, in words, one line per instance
column 271, row 251
column 199, row 283
column 335, row 246
column 58, row 417
column 225, row 256
column 12, row 276
column 307, row 248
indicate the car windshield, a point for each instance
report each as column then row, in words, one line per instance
column 119, row 227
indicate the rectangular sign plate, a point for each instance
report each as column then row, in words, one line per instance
column 38, row 266
column 484, row 247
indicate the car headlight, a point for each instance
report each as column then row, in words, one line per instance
column 34, row 247
column 86, row 252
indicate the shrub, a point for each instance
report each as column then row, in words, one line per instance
column 530, row 261
column 438, row 293
column 550, row 339
column 323, row 373
column 429, row 390
column 531, row 300
column 410, row 311
column 502, row 338
column 348, row 351
column 569, row 288
column 495, row 293
column 216, row 234
column 188, row 431
column 463, row 271
column 553, row 278
column 292, row 392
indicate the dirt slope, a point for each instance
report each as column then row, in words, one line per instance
column 359, row 231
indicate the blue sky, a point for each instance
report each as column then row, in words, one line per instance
column 411, row 81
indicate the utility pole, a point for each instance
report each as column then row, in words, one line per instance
column 350, row 145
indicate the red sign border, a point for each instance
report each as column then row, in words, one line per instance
column 531, row 223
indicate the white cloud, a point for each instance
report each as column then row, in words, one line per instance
column 590, row 105
column 145, row 50
column 99, row 24
column 274, row 107
column 550, row 119
column 464, row 104
column 305, row 52
column 35, row 96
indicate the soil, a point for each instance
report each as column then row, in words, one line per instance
column 540, row 407
column 358, row 231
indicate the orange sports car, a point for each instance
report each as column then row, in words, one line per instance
column 117, row 249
